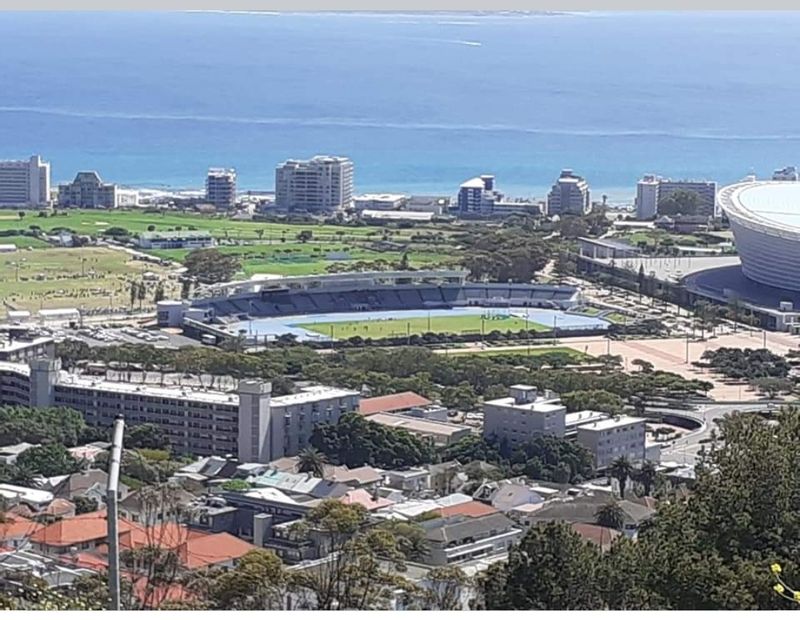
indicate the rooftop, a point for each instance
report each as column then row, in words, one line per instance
column 767, row 202
column 392, row 402
column 609, row 423
column 417, row 425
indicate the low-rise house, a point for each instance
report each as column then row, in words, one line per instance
column 411, row 481
column 59, row 508
column 89, row 482
column 458, row 539
column 137, row 508
column 359, row 477
column 466, row 509
column 36, row 499
column 446, row 477
column 9, row 454
column 441, row 433
column 505, row 494
column 16, row 561
column 300, row 484
column 413, row 508
column 584, row 509
column 90, row 451
column 366, row 499
column 598, row 535
column 16, row 530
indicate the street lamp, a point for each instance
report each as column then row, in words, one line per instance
column 112, row 518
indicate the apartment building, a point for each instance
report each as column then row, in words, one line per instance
column 25, row 183
column 523, row 415
column 247, row 422
column 612, row 438
column 569, row 195
column 320, row 184
column 221, row 188
column 706, row 192
column 87, row 191
column 646, row 202
column 788, row 173
column 526, row 414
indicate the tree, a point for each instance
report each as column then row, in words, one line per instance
column 646, row 475
column 48, row 460
column 146, row 436
column 772, row 386
column 84, row 504
column 621, row 469
column 41, row 425
column 158, row 295
column 444, row 588
column 352, row 575
column 312, row 461
column 551, row 568
column 643, row 365
column 259, row 581
column 610, row 515
column 236, row 485
column 134, row 293
column 210, row 266
column 679, row 202
column 141, row 292
column 21, row 214
column 305, row 235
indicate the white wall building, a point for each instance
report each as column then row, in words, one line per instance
column 647, row 197
column 380, row 202
column 523, row 415
column 613, row 438
column 221, row 187
column 322, row 183
column 569, row 195
column 25, row 183
column 789, row 173
column 87, row 190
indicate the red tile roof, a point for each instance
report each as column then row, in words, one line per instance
column 392, row 402
column 596, row 534
column 365, row 498
column 467, row 509
column 16, row 527
column 201, row 551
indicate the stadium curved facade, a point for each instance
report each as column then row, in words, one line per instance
column 765, row 220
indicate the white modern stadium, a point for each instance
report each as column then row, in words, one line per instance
column 765, row 220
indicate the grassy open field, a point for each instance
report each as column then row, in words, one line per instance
column 23, row 242
column 263, row 247
column 387, row 328
column 89, row 277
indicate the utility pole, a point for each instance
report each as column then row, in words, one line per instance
column 765, row 338
column 687, row 348
column 112, row 494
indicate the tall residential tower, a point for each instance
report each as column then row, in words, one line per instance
column 221, row 187
column 320, row 184
column 569, row 195
column 25, row 183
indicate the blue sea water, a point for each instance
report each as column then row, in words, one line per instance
column 419, row 102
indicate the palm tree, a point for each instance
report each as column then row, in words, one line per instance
column 621, row 469
column 313, row 461
column 646, row 476
column 610, row 515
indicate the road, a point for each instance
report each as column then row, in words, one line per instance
column 685, row 450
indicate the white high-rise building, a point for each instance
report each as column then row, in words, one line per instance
column 322, row 183
column 25, row 182
column 789, row 173
column 221, row 187
column 647, row 197
column 569, row 195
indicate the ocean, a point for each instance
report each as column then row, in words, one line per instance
column 420, row 102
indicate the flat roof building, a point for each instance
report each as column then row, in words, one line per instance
column 176, row 239
column 379, row 202
column 569, row 195
column 646, row 202
column 320, row 184
column 247, row 422
column 221, row 188
column 612, row 438
column 25, row 182
column 706, row 194
column 442, row 433
column 523, row 415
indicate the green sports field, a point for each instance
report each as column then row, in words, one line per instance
column 387, row 328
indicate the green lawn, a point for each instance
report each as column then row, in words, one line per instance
column 23, row 242
column 616, row 317
column 71, row 277
column 88, row 221
column 466, row 324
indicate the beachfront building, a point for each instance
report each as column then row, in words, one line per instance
column 477, row 197
column 246, row 422
column 24, row 183
column 647, row 197
column 87, row 191
column 706, row 194
column 221, row 188
column 789, row 173
column 320, row 184
column 379, row 202
column 569, row 195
